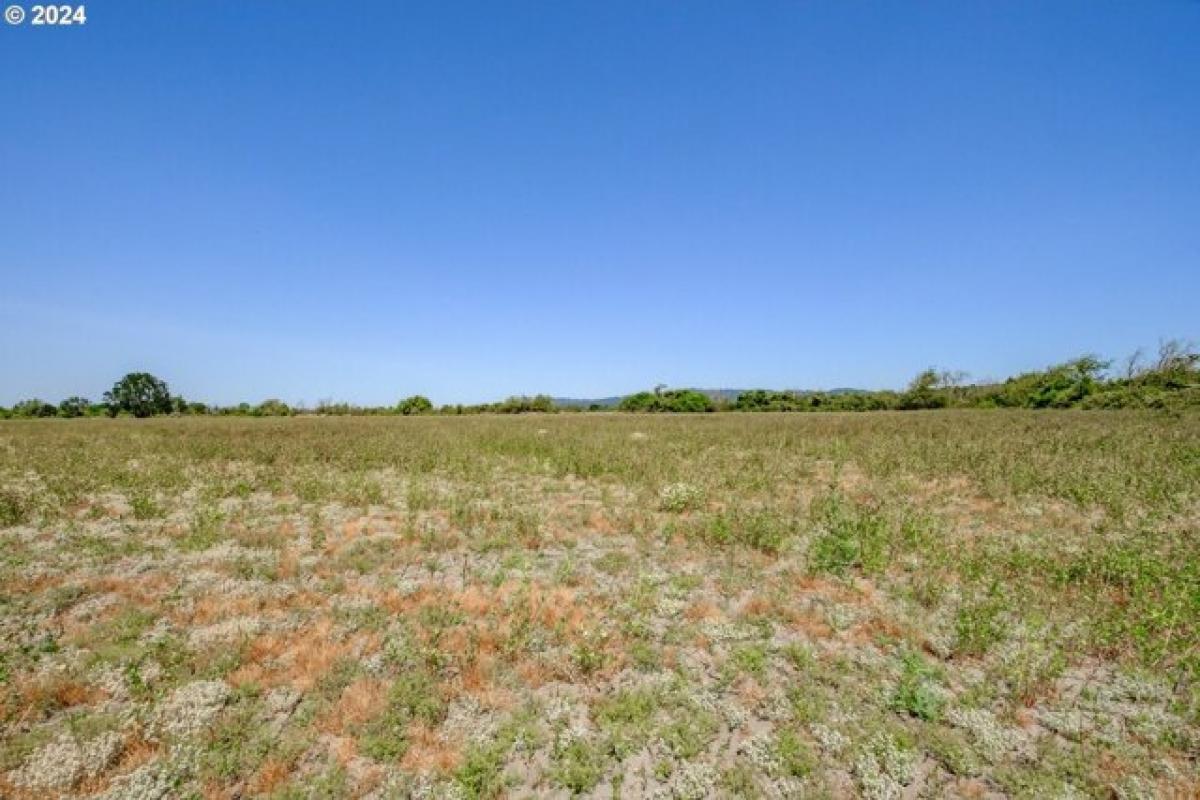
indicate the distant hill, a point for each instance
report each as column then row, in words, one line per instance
column 730, row 395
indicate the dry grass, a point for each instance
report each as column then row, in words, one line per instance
column 937, row 604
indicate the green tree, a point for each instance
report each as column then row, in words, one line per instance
column 641, row 401
column 671, row 400
column 74, row 407
column 417, row 404
column 523, row 404
column 33, row 408
column 273, row 408
column 688, row 401
column 923, row 392
column 1060, row 386
column 140, row 394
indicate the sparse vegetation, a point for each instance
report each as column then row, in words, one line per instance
column 753, row 604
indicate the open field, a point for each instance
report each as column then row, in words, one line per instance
column 936, row 604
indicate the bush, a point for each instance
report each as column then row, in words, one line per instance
column 923, row 392
column 795, row 757
column 417, row 404
column 541, row 403
column 33, row 408
column 917, row 693
column 679, row 497
column 980, row 624
column 74, row 407
column 273, row 408
column 767, row 400
column 1060, row 386
column 13, row 509
column 851, row 537
column 674, row 400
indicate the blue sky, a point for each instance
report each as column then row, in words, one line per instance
column 361, row 201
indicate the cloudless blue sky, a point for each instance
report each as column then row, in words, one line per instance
column 364, row 200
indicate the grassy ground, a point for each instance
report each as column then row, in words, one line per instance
column 885, row 605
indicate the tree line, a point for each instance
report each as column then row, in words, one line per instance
column 140, row 395
column 1170, row 379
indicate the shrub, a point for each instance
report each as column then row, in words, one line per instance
column 273, row 408
column 481, row 774
column 417, row 404
column 917, row 694
column 795, row 757
column 74, row 407
column 580, row 767
column 850, row 537
column 980, row 624
column 415, row 696
column 13, row 509
column 680, row 497
column 642, row 401
column 764, row 531
column 674, row 400
column 33, row 408
column 144, row 507
column 1060, row 386
column 923, row 392
column 541, row 403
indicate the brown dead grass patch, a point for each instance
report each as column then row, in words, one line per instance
column 135, row 752
column 343, row 748
column 533, row 673
column 299, row 658
column 757, row 607
column 812, row 625
column 831, row 589
column 555, row 608
column 600, row 523
column 970, row 788
column 361, row 701
column 271, row 775
column 210, row 609
column 29, row 586
column 33, row 696
column 703, row 611
column 145, row 589
column 289, row 563
column 477, row 602
column 875, row 630
column 749, row 691
column 477, row 675
column 429, row 752
column 10, row 791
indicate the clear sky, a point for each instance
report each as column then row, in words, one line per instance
column 365, row 200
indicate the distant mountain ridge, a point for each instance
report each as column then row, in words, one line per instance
column 717, row 395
